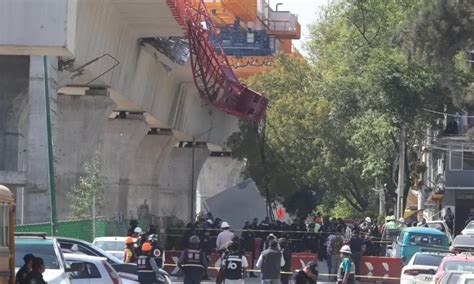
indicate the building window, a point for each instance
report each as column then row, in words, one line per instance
column 468, row 161
column 461, row 161
column 455, row 161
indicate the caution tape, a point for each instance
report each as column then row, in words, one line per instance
column 291, row 273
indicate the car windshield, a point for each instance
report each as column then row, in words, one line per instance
column 467, row 265
column 110, row 245
column 426, row 240
column 43, row 249
column 463, row 241
column 428, row 259
column 453, row 278
column 470, row 225
column 437, row 226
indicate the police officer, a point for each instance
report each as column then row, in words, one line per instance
column 147, row 266
column 157, row 250
column 234, row 265
column 193, row 262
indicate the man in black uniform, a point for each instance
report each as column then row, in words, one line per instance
column 157, row 250
column 234, row 264
column 193, row 262
column 147, row 266
column 286, row 252
column 27, row 267
column 308, row 275
column 36, row 274
column 310, row 239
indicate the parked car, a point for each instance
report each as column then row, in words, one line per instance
column 49, row 250
column 451, row 277
column 461, row 262
column 463, row 243
column 442, row 226
column 421, row 268
column 415, row 239
column 96, row 271
column 125, row 270
column 113, row 245
column 466, row 279
column 469, row 229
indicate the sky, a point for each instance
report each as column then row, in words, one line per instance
column 307, row 11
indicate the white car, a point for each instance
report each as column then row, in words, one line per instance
column 421, row 268
column 442, row 226
column 466, row 279
column 469, row 229
column 48, row 249
column 113, row 245
column 96, row 271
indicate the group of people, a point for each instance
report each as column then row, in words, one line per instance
column 32, row 271
column 232, row 264
column 145, row 250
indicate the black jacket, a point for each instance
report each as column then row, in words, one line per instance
column 34, row 277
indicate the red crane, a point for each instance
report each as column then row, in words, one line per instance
column 213, row 75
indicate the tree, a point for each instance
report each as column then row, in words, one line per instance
column 334, row 122
column 89, row 192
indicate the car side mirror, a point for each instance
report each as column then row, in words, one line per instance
column 76, row 267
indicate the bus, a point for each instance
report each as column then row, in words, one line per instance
column 7, row 249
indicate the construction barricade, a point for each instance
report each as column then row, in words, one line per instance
column 299, row 260
column 381, row 267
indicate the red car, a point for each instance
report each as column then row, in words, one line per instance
column 460, row 262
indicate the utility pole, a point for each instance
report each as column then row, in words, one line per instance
column 52, row 183
column 401, row 173
column 94, row 232
column 192, row 180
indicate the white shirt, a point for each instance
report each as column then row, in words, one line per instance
column 223, row 238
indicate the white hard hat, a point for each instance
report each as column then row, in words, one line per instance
column 367, row 219
column 224, row 225
column 401, row 220
column 346, row 249
column 137, row 230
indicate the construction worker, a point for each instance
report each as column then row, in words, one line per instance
column 390, row 230
column 224, row 237
column 157, row 250
column 401, row 224
column 129, row 255
column 193, row 262
column 234, row 265
column 346, row 271
column 146, row 266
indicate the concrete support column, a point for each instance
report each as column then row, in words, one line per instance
column 122, row 138
column 14, row 85
column 150, row 156
column 37, row 207
column 81, row 123
column 174, row 196
column 218, row 173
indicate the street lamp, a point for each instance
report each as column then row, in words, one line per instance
column 277, row 5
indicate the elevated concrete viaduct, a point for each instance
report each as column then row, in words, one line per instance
column 141, row 115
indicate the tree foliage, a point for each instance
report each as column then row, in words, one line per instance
column 91, row 185
column 334, row 122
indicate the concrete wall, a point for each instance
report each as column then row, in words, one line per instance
column 39, row 27
column 80, row 126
